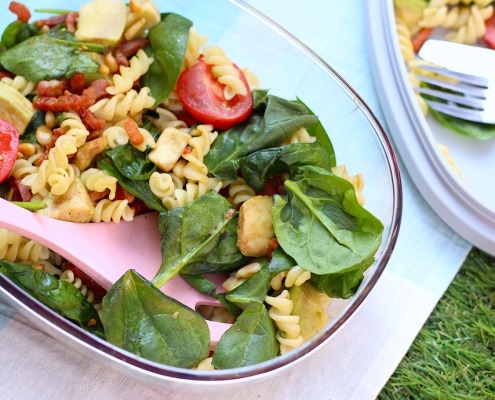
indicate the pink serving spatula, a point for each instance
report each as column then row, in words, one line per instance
column 105, row 251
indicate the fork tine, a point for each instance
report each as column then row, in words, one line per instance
column 466, row 89
column 456, row 98
column 461, row 112
column 461, row 77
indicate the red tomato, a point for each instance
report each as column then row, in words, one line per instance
column 202, row 97
column 9, row 144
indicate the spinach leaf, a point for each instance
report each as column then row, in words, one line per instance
column 272, row 122
column 319, row 132
column 131, row 162
column 140, row 189
column 29, row 134
column 224, row 257
column 253, row 289
column 168, row 43
column 263, row 164
column 43, row 57
column 189, row 233
column 17, row 32
column 280, row 261
column 341, row 285
column 59, row 295
column 141, row 319
column 250, row 340
column 321, row 225
column 467, row 128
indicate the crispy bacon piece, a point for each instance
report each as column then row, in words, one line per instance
column 19, row 9
column 68, row 19
column 6, row 74
column 71, row 20
column 20, row 192
column 51, row 88
column 91, row 122
column 77, row 83
column 57, row 132
column 135, row 136
column 70, row 101
column 131, row 47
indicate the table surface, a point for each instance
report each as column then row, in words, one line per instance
column 357, row 362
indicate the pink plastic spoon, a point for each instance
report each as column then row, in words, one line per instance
column 105, row 251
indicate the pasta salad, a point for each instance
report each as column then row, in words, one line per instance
column 100, row 123
column 470, row 22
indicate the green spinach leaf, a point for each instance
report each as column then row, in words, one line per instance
column 43, row 57
column 322, row 226
column 250, row 340
column 341, row 285
column 131, row 162
column 139, row 188
column 258, row 167
column 141, row 319
column 59, row 295
column 191, row 232
column 467, row 128
column 270, row 124
column 16, row 32
column 168, row 43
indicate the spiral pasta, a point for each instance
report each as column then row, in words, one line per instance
column 138, row 66
column 69, row 276
column 295, row 276
column 300, row 136
column 97, row 180
column 15, row 248
column 288, row 328
column 191, row 191
column 239, row 192
column 23, row 167
column 225, row 72
column 163, row 184
column 357, row 181
column 20, row 83
column 117, row 135
column 236, row 278
column 112, row 210
column 167, row 119
column 194, row 44
column 466, row 23
column 123, row 104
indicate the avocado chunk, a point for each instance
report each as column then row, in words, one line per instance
column 102, row 22
column 309, row 305
column 75, row 205
column 15, row 108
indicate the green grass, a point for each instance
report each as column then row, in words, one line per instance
column 453, row 357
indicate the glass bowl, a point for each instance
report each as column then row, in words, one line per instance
column 291, row 70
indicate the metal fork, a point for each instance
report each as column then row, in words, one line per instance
column 463, row 83
column 461, row 95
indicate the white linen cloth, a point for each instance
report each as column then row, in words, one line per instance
column 357, row 362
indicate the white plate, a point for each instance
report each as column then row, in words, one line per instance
column 467, row 202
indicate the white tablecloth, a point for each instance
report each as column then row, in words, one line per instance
column 361, row 357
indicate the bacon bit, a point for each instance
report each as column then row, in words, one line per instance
column 70, row 101
column 91, row 121
column 6, row 74
column 19, row 191
column 230, row 213
column 22, row 12
column 131, row 47
column 90, row 283
column 51, row 88
column 77, row 82
column 121, row 59
column 91, row 322
column 52, row 21
column 135, row 136
column 71, row 20
column 122, row 194
column 94, row 135
column 272, row 246
column 187, row 151
column 420, row 38
column 97, row 196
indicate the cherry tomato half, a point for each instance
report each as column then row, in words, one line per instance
column 202, row 97
column 9, row 144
